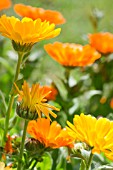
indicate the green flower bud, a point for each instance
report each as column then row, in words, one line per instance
column 25, row 113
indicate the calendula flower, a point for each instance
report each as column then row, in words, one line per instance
column 50, row 135
column 97, row 133
column 102, row 42
column 53, row 94
column 32, row 101
column 4, row 4
column 2, row 166
column 8, row 146
column 72, row 54
column 103, row 100
column 34, row 13
column 26, row 32
column 111, row 103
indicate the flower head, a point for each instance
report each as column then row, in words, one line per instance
column 102, row 42
column 53, row 94
column 5, row 4
column 50, row 135
column 26, row 31
column 111, row 103
column 8, row 146
column 33, row 100
column 72, row 54
column 97, row 133
column 34, row 13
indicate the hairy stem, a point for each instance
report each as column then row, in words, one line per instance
column 89, row 162
column 22, row 145
column 11, row 99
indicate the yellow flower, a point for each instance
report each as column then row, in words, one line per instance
column 27, row 31
column 33, row 100
column 97, row 133
column 2, row 166
column 50, row 135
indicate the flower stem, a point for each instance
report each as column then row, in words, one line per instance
column 89, row 162
column 22, row 145
column 11, row 99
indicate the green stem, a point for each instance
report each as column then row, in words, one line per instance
column 11, row 99
column 89, row 162
column 22, row 145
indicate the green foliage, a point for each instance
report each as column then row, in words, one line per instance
column 46, row 164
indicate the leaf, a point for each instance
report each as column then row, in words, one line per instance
column 61, row 87
column 105, row 167
column 6, row 64
column 82, row 165
column 3, row 100
column 62, row 164
column 46, row 164
column 2, row 121
column 1, row 136
column 12, row 122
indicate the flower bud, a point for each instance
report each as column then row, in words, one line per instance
column 25, row 113
column 34, row 146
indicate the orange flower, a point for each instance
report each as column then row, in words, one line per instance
column 33, row 100
column 4, row 4
column 8, row 146
column 103, row 100
column 34, row 13
column 50, row 135
column 102, row 42
column 53, row 94
column 111, row 103
column 72, row 54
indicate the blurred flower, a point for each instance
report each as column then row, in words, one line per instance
column 111, row 103
column 53, row 94
column 102, row 42
column 109, row 155
column 72, row 54
column 2, row 166
column 4, row 4
column 50, row 135
column 26, row 32
column 103, row 100
column 33, row 101
column 97, row 133
column 8, row 146
column 8, row 149
column 34, row 13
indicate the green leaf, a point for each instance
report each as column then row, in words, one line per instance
column 12, row 122
column 82, row 165
column 46, row 164
column 105, row 167
column 1, row 136
column 61, row 87
column 2, row 121
column 62, row 164
column 3, row 105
